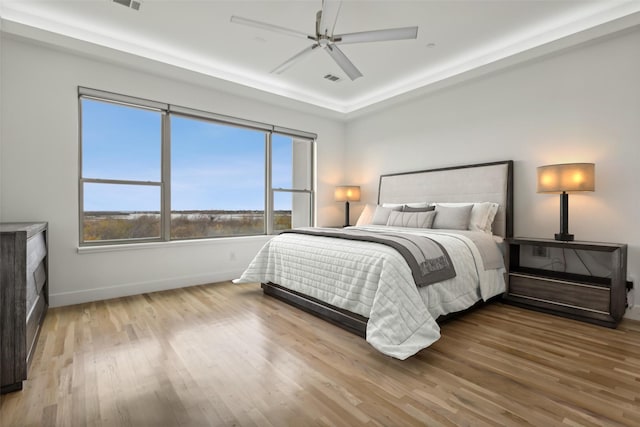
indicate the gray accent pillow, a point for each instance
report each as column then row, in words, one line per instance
column 452, row 218
column 381, row 215
column 411, row 219
column 407, row 208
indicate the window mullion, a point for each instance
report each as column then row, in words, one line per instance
column 312, row 184
column 120, row 181
column 268, row 211
column 291, row 190
column 165, row 212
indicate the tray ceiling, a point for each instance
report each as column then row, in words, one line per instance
column 454, row 37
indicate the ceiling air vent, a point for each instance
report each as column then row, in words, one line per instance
column 133, row 4
column 332, row 77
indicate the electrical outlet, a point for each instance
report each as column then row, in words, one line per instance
column 540, row 251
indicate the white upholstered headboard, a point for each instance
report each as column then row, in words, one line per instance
column 487, row 182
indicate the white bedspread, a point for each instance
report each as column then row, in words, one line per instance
column 374, row 281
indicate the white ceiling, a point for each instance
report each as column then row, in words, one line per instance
column 454, row 37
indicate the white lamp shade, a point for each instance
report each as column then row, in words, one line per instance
column 347, row 193
column 567, row 177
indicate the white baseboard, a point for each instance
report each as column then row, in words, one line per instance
column 633, row 313
column 98, row 294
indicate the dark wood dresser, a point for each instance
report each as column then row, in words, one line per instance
column 24, row 297
column 581, row 280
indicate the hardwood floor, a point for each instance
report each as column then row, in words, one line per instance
column 224, row 354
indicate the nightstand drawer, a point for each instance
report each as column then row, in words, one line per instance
column 560, row 292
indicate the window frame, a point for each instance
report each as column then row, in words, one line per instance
column 166, row 111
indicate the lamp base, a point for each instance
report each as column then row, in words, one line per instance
column 346, row 214
column 564, row 237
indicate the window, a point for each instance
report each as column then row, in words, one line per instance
column 121, row 189
column 153, row 172
column 292, row 177
column 217, row 179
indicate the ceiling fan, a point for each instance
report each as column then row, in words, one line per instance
column 324, row 37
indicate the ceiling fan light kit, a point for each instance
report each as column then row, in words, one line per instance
column 324, row 37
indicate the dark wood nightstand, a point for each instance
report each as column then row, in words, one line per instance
column 581, row 280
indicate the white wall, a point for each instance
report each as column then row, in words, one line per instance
column 582, row 105
column 39, row 171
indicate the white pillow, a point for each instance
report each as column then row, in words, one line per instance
column 411, row 205
column 452, row 217
column 366, row 217
column 493, row 210
column 411, row 219
column 382, row 213
column 481, row 218
column 392, row 205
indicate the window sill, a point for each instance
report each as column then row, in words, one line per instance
column 172, row 244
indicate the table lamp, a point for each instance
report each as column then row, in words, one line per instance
column 347, row 193
column 562, row 179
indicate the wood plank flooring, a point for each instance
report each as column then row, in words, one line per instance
column 226, row 355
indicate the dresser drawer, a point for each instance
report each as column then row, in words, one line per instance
column 36, row 252
column 559, row 292
column 34, row 321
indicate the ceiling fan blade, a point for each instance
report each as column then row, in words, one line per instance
column 289, row 62
column 344, row 63
column 269, row 27
column 377, row 35
column 328, row 16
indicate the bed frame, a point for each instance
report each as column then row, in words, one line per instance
column 485, row 182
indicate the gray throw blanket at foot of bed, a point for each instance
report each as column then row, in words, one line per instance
column 428, row 260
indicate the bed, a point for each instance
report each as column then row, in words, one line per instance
column 371, row 287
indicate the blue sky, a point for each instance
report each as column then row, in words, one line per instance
column 212, row 166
